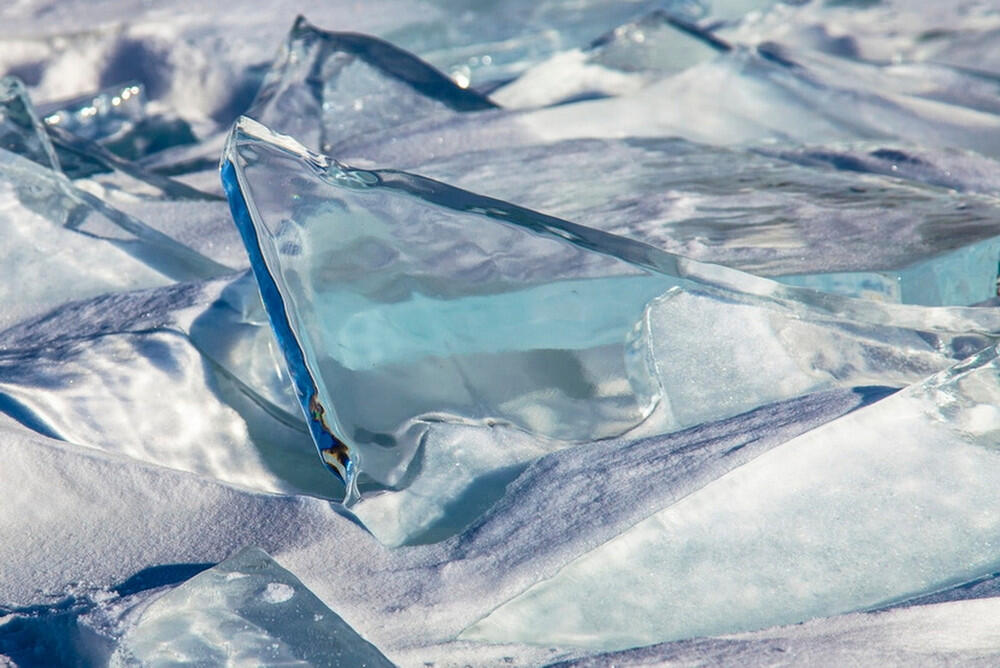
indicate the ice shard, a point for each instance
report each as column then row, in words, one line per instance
column 101, row 115
column 247, row 610
column 958, row 633
column 714, row 356
column 404, row 306
column 53, row 145
column 21, row 131
column 890, row 502
column 619, row 62
column 400, row 302
column 326, row 87
column 66, row 244
column 754, row 210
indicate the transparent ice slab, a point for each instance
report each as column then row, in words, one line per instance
column 21, row 131
column 402, row 304
column 892, row 501
column 399, row 302
column 755, row 211
column 54, row 146
column 101, row 115
column 185, row 377
column 715, row 356
column 479, row 43
column 247, row 610
column 619, row 62
column 325, row 87
column 63, row 244
column 117, row 117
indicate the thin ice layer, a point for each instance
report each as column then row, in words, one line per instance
column 326, row 87
column 100, row 115
column 451, row 264
column 619, row 62
column 21, row 131
column 848, row 231
column 401, row 302
column 893, row 501
column 958, row 633
column 185, row 377
column 65, row 244
column 247, row 610
column 715, row 356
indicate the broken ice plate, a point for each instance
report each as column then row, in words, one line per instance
column 400, row 303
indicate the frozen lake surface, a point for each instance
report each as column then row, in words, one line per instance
column 451, row 332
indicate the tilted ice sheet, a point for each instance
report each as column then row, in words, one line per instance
column 54, row 146
column 619, row 62
column 759, row 213
column 895, row 499
column 364, row 316
column 247, row 609
column 326, row 87
column 714, row 356
column 185, row 377
column 21, row 131
column 101, row 114
column 960, row 633
column 379, row 286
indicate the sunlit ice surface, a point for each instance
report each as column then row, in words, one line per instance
column 512, row 334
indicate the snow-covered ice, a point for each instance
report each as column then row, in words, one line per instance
column 627, row 333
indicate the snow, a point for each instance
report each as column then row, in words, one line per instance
column 801, row 477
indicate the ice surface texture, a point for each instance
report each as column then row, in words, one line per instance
column 400, row 302
column 326, row 87
column 403, row 304
column 247, row 610
column 559, row 439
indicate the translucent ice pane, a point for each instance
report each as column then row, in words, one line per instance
column 965, row 276
column 619, row 62
column 21, row 131
column 399, row 301
column 889, row 502
column 117, row 118
column 100, row 115
column 328, row 86
column 808, row 224
column 716, row 357
column 64, row 244
column 247, row 610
